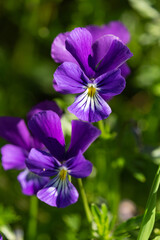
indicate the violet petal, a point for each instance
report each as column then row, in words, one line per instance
column 58, row 193
column 15, row 131
column 79, row 44
column 70, row 78
column 83, row 134
column 47, row 126
column 13, row 157
column 117, row 54
column 125, row 70
column 45, row 105
column 78, row 166
column 42, row 163
column 58, row 49
column 90, row 109
column 110, row 84
column 31, row 183
column 115, row 27
column 100, row 49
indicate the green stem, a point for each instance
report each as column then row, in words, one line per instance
column 85, row 201
column 101, row 127
column 32, row 226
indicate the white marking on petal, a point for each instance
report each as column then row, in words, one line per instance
column 97, row 102
column 92, row 104
column 81, row 100
column 86, row 107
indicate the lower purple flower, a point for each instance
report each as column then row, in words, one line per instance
column 15, row 131
column 30, row 182
column 59, row 191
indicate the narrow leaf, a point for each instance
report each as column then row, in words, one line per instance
column 150, row 212
column 156, row 238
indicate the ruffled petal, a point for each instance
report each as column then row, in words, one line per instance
column 31, row 183
column 79, row 44
column 78, row 166
column 15, row 131
column 58, row 49
column 13, row 157
column 110, row 84
column 83, row 134
column 100, row 49
column 58, row 193
column 90, row 109
column 46, row 105
column 117, row 55
column 116, row 28
column 46, row 126
column 42, row 163
column 108, row 53
column 96, row 31
column 57, row 89
column 125, row 70
column 70, row 78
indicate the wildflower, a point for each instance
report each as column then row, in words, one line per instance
column 92, row 70
column 46, row 126
column 15, row 131
column 60, row 53
column 90, row 105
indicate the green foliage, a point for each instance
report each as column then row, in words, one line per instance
column 126, row 228
column 144, row 7
column 101, row 222
column 7, row 216
column 150, row 211
column 126, row 155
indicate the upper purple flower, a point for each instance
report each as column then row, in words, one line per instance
column 15, row 131
column 99, row 39
column 60, row 192
column 93, row 64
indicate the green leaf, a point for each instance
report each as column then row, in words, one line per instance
column 132, row 224
column 129, row 225
column 96, row 213
column 156, row 238
column 150, row 211
column 100, row 224
column 7, row 216
column 145, row 8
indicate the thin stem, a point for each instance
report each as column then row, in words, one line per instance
column 85, row 201
column 101, row 127
column 32, row 226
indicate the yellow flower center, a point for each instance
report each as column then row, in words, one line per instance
column 91, row 91
column 63, row 173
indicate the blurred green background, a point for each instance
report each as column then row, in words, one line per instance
column 126, row 157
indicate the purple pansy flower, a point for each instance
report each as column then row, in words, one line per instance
column 60, row 53
column 15, row 131
column 1, row 238
column 59, row 191
column 92, row 68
